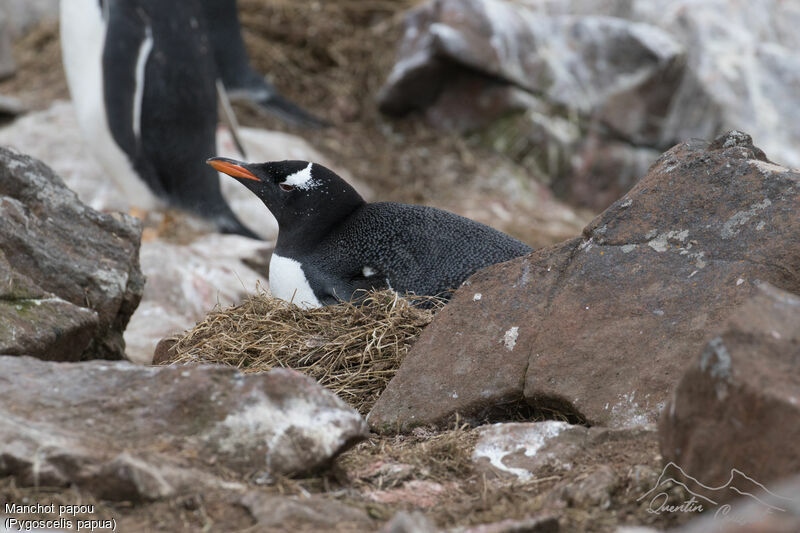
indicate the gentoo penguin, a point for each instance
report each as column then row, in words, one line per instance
column 241, row 81
column 332, row 243
column 143, row 82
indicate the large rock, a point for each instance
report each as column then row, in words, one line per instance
column 620, row 71
column 125, row 432
column 742, row 70
column 737, row 407
column 602, row 326
column 71, row 277
column 741, row 66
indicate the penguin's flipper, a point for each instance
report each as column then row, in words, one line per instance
column 125, row 55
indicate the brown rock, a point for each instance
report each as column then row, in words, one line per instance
column 69, row 276
column 126, row 432
column 736, row 410
column 602, row 326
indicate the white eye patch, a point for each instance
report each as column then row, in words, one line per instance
column 301, row 179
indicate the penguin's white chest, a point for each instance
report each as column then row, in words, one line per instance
column 287, row 281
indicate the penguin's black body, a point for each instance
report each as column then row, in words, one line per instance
column 238, row 76
column 332, row 243
column 142, row 75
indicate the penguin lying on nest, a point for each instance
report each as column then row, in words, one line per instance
column 332, row 243
column 143, row 75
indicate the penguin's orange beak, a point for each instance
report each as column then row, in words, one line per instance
column 231, row 168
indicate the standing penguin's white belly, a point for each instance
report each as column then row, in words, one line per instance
column 287, row 281
column 83, row 33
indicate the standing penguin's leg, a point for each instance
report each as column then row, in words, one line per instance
column 233, row 65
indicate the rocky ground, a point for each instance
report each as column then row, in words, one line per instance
column 635, row 370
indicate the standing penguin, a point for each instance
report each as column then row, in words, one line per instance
column 143, row 81
column 332, row 243
column 235, row 71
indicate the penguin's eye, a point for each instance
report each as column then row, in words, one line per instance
column 286, row 187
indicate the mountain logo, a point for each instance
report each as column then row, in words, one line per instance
column 703, row 497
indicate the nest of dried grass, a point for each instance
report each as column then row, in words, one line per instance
column 353, row 348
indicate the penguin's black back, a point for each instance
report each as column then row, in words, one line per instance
column 412, row 248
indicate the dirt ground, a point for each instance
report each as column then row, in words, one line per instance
column 332, row 57
column 427, row 471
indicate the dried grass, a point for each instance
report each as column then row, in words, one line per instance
column 353, row 348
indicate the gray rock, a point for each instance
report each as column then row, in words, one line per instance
column 622, row 306
column 125, row 432
column 10, row 106
column 72, row 274
column 7, row 63
column 314, row 513
column 538, row 524
column 736, row 409
column 743, row 70
column 22, row 15
column 741, row 65
column 622, row 72
column 405, row 522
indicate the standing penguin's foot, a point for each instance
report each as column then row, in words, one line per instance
column 268, row 100
column 232, row 226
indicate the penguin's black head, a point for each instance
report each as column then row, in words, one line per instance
column 304, row 197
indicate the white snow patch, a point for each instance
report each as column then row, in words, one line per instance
column 477, row 297
column 497, row 441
